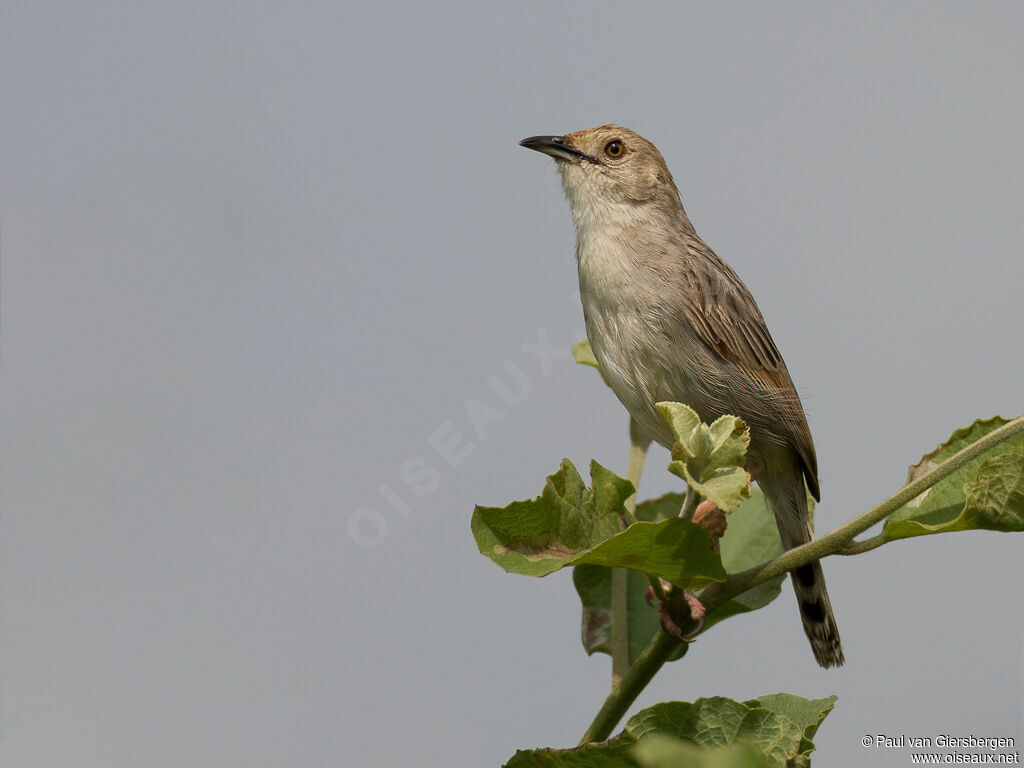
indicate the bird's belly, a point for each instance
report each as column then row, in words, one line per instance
column 640, row 362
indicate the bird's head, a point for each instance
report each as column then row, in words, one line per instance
column 607, row 165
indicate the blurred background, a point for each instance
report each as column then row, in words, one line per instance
column 260, row 260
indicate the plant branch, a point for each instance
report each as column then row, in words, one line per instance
column 629, row 687
column 638, row 445
column 865, row 545
column 842, row 537
column 839, row 541
column 620, row 627
column 620, row 576
column 689, row 504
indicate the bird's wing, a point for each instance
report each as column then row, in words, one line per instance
column 724, row 314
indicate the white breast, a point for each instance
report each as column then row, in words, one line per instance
column 623, row 330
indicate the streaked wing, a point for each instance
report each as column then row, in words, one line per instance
column 723, row 312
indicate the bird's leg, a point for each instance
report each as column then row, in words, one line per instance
column 670, row 611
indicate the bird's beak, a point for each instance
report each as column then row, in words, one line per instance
column 556, row 146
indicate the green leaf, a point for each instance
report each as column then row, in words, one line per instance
column 717, row 732
column 806, row 713
column 752, row 538
column 986, row 493
column 996, row 498
column 594, row 586
column 709, row 458
column 676, row 550
column 780, row 726
column 726, row 487
column 721, row 722
column 661, row 508
column 539, row 536
column 660, row 751
column 720, row 445
column 608, row 754
column 570, row 525
column 684, row 422
column 584, row 355
column 730, row 439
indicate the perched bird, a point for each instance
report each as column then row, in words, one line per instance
column 669, row 320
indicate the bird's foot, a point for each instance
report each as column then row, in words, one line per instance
column 673, row 606
column 649, row 593
column 677, row 606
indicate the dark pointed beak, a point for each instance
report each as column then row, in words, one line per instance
column 556, row 146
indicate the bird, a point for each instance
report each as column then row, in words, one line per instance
column 669, row 320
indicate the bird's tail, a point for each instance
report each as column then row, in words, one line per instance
column 788, row 500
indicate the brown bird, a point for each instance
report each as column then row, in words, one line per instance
column 669, row 320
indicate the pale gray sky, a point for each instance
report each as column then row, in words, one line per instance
column 255, row 255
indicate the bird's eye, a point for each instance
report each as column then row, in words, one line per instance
column 614, row 148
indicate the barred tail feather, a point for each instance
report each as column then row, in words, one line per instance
column 816, row 614
column 788, row 501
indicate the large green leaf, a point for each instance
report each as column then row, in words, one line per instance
column 721, row 722
column 986, row 493
column 676, row 550
column 569, row 524
column 664, row 507
column 538, row 536
column 774, row 731
column 609, row 754
column 781, row 725
column 655, row 751
column 806, row 713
